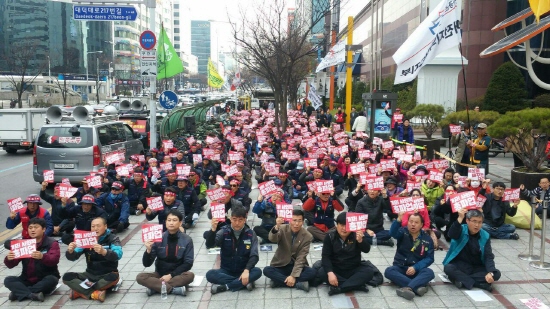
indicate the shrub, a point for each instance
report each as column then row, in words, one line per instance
column 506, row 90
column 429, row 115
column 487, row 117
column 542, row 100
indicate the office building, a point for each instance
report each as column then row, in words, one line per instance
column 201, row 43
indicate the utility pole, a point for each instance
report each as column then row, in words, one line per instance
column 349, row 61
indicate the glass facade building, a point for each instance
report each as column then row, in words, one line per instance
column 200, row 43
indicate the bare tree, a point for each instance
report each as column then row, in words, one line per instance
column 70, row 66
column 278, row 49
column 24, row 62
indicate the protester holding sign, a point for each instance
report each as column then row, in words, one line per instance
column 342, row 266
column 336, row 176
column 169, row 201
column 463, row 152
column 173, row 258
column 24, row 215
column 431, row 191
column 442, row 214
column 40, row 274
column 61, row 225
column 117, row 207
column 138, row 191
column 83, row 215
column 190, row 200
column 289, row 266
column 101, row 264
column 85, row 189
column 414, row 255
column 495, row 210
column 375, row 203
column 322, row 208
column 266, row 210
column 226, row 198
column 542, row 193
column 470, row 260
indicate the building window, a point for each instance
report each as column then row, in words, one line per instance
column 176, row 22
column 177, row 30
column 176, row 6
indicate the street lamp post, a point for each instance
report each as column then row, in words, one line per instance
column 92, row 52
column 97, row 80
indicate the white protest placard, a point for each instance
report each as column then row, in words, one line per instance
column 462, row 181
column 357, row 169
column 167, row 144
column 511, row 194
column 410, row 148
column 151, row 232
column 480, row 200
column 407, row 204
column 356, row 221
column 15, row 204
column 66, row 190
column 197, row 158
column 476, row 173
column 94, row 181
column 122, row 170
column 268, row 187
column 534, row 303
column 114, row 157
column 65, row 181
column 285, row 211
column 85, row 239
column 155, row 203
column 165, row 166
column 218, row 211
column 48, row 176
column 376, row 183
column 23, row 248
column 220, row 181
column 388, row 165
column 463, row 200
column 183, row 169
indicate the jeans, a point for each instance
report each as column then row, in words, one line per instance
column 222, row 276
column 279, row 274
column 397, row 274
column 501, row 232
column 296, row 192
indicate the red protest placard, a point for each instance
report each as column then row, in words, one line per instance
column 463, row 200
column 215, row 194
column 480, row 200
column 235, row 156
column 66, row 190
column 476, row 173
column 311, row 163
column 441, row 164
column 387, row 145
column 375, row 183
column 218, row 211
column 388, row 165
column 285, row 211
column 122, row 170
column 324, row 186
column 48, row 176
column 15, row 204
column 455, row 129
column 413, row 185
column 23, row 248
column 191, row 140
column 141, row 158
column 65, row 181
column 410, row 149
column 462, row 181
column 207, row 152
column 407, row 204
column 268, row 187
column 232, row 170
column 357, row 169
column 511, row 195
column 363, row 153
column 85, row 239
column 94, row 181
column 151, row 232
column 398, row 118
column 155, row 203
column 344, row 149
column 435, row 176
column 167, row 144
column 220, row 181
column 183, row 169
column 114, row 157
column 197, row 158
column 165, row 166
column 356, row 221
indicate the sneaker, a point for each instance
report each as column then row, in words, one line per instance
column 12, row 296
column 304, row 286
column 514, row 236
column 150, row 292
column 179, row 290
column 422, row 290
column 274, row 284
column 138, row 212
column 99, row 295
column 407, row 293
column 363, row 288
column 262, row 241
column 333, row 290
column 484, row 286
column 250, row 286
column 218, row 288
column 74, row 295
column 388, row 243
column 37, row 297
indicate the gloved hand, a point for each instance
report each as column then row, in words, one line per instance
column 195, row 216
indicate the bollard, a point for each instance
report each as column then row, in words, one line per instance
column 541, row 264
column 529, row 255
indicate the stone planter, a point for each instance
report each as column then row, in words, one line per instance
column 432, row 145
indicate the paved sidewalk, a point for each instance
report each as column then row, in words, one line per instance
column 519, row 281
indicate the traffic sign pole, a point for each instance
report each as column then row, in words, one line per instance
column 153, row 84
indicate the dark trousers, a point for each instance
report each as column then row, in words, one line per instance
column 22, row 288
column 380, row 236
column 279, row 274
column 351, row 203
column 467, row 273
column 224, row 277
column 397, row 275
column 114, row 225
column 103, row 282
column 263, row 232
column 152, row 281
column 351, row 279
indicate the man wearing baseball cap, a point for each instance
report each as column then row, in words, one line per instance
column 83, row 215
column 394, row 123
column 33, row 210
column 480, row 147
column 61, row 225
column 169, row 201
column 336, row 177
column 117, row 207
column 187, row 195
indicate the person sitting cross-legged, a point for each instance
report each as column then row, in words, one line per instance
column 174, row 258
column 414, row 254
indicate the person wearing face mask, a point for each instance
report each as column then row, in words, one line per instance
column 470, row 261
column 475, row 185
column 375, row 203
column 82, row 214
column 117, row 207
column 101, row 264
column 495, row 211
column 414, row 254
column 238, row 254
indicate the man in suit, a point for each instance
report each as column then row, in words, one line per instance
column 289, row 265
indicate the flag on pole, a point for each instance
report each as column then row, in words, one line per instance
column 214, row 78
column 313, row 97
column 437, row 33
column 539, row 7
column 336, row 55
column 168, row 61
column 236, row 81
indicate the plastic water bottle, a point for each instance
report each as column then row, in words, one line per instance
column 163, row 293
column 374, row 242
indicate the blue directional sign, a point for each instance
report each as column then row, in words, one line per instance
column 108, row 13
column 168, row 99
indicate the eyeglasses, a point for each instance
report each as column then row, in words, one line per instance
column 234, row 185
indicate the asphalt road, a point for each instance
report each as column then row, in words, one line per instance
column 15, row 180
